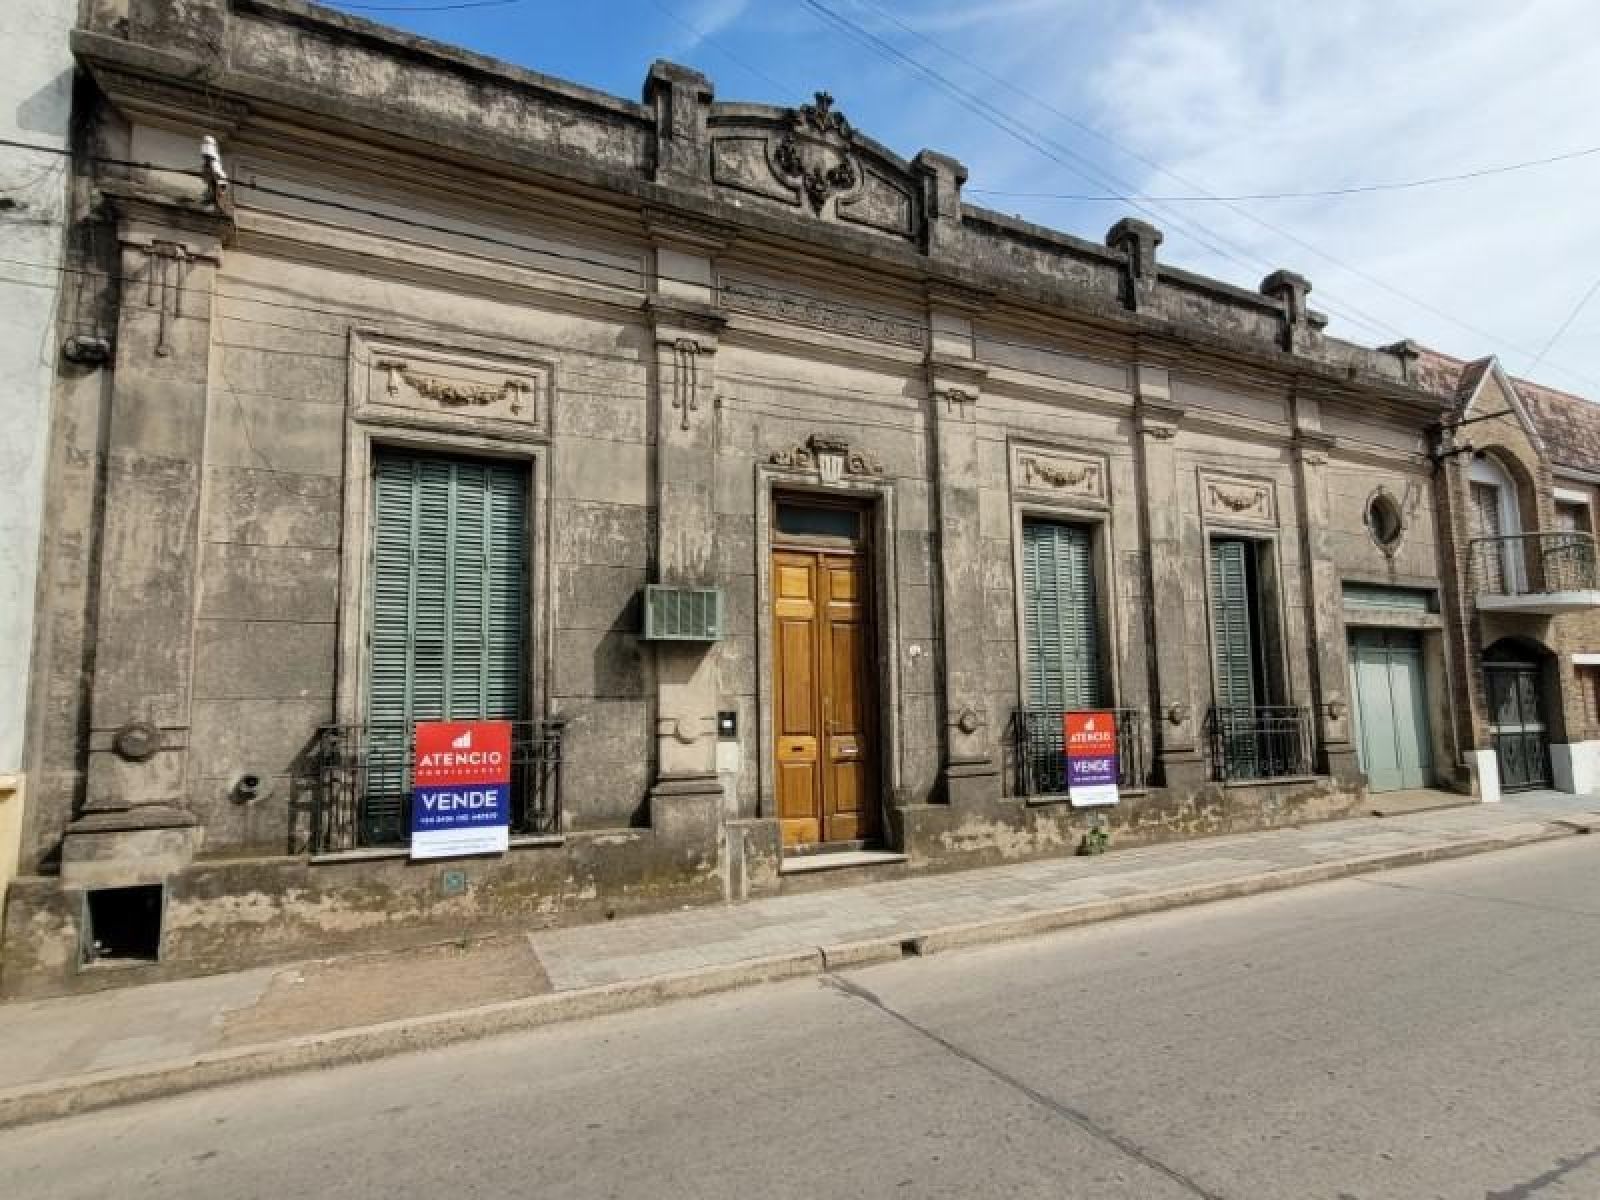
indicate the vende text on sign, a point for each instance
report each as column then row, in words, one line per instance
column 461, row 788
column 1090, row 742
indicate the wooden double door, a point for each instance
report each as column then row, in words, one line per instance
column 824, row 698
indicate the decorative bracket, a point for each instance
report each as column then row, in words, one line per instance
column 686, row 379
column 166, row 268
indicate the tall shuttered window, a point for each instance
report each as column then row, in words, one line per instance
column 1235, row 636
column 1060, row 617
column 448, row 610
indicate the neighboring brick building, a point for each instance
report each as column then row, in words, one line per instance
column 785, row 502
column 1523, row 464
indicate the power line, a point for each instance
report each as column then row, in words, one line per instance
column 1072, row 160
column 716, row 44
column 1563, row 327
column 1188, row 182
column 1351, row 190
column 610, row 266
column 421, row 8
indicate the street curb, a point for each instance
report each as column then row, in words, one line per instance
column 59, row 1098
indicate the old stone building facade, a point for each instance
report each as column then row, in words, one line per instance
column 784, row 500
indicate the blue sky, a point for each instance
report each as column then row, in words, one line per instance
column 1170, row 98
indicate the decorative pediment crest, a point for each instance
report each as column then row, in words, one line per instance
column 810, row 157
column 815, row 155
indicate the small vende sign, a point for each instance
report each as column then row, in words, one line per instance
column 461, row 788
column 1090, row 739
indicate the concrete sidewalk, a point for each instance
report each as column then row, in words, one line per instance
column 69, row 1054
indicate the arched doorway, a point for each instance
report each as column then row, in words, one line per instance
column 1514, row 686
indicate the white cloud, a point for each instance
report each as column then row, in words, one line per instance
column 706, row 19
column 1245, row 96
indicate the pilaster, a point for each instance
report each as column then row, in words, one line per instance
column 942, row 179
column 687, row 794
column 1175, row 718
column 681, row 100
column 1330, row 655
column 149, row 559
column 1137, row 240
column 971, row 771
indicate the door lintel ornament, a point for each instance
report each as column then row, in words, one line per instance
column 831, row 456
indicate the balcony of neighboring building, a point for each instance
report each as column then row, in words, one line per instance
column 1543, row 573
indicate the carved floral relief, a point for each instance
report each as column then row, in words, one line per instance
column 1058, row 473
column 430, row 380
column 1236, row 500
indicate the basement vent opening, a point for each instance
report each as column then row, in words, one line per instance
column 123, row 924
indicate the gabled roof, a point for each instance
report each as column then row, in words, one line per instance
column 1568, row 424
column 1470, row 381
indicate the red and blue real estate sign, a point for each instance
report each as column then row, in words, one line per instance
column 461, row 788
column 1090, row 739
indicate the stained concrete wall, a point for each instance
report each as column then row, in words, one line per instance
column 36, row 109
column 677, row 325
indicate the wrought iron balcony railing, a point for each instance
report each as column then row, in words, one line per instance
column 1041, row 760
column 357, row 779
column 1260, row 742
column 1532, row 564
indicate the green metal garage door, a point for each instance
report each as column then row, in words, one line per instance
column 1391, row 708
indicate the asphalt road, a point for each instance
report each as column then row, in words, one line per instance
column 1426, row 1033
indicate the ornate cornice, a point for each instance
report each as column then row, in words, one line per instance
column 686, row 229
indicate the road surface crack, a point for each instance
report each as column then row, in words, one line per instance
column 1065, row 1111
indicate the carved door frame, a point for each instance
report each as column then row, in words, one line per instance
column 877, row 495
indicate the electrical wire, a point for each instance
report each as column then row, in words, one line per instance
column 1228, row 202
column 717, row 44
column 607, row 265
column 1564, row 326
column 423, row 8
column 1315, row 193
column 1064, row 156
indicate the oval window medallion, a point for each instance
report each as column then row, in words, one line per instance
column 1385, row 522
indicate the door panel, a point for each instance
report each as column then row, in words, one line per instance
column 1393, row 739
column 824, row 705
column 1374, row 718
column 797, row 699
column 1516, row 721
column 849, row 810
column 1406, row 687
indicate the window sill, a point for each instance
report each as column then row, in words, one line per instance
column 1052, row 799
column 1275, row 781
column 386, row 853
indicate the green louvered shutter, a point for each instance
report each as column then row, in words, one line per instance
column 1230, row 623
column 1232, row 643
column 1059, row 617
column 448, row 611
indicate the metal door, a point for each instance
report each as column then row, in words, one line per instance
column 1392, row 736
column 1516, row 722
